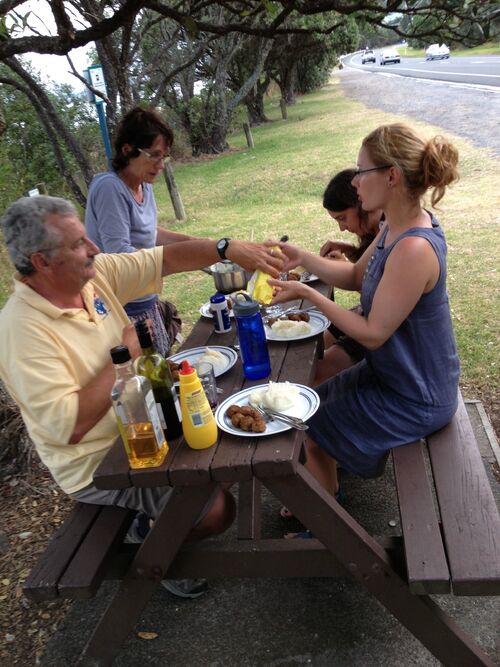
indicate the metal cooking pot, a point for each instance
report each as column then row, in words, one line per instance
column 228, row 276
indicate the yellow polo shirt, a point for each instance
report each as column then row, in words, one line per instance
column 47, row 354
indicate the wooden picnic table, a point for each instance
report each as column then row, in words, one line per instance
column 341, row 548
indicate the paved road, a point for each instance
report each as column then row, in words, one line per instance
column 469, row 70
column 471, row 113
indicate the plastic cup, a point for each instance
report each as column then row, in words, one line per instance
column 206, row 374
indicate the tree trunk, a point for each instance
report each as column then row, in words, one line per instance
column 222, row 117
column 254, row 103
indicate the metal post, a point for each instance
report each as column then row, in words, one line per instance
column 104, row 129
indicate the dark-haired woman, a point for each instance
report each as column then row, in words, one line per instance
column 341, row 201
column 121, row 214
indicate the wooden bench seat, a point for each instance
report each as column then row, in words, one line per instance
column 77, row 558
column 449, row 517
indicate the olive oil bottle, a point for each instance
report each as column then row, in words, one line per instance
column 135, row 408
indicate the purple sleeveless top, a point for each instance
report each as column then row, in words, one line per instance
column 419, row 362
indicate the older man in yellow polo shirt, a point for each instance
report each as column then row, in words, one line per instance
column 58, row 326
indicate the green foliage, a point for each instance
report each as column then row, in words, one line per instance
column 421, row 24
column 201, row 114
column 313, row 69
column 26, row 153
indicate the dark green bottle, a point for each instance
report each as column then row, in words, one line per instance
column 152, row 365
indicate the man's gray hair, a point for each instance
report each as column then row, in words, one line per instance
column 25, row 230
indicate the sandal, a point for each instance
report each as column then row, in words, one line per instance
column 339, row 497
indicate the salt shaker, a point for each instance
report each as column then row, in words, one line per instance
column 252, row 337
column 220, row 313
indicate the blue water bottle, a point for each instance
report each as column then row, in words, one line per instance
column 252, row 337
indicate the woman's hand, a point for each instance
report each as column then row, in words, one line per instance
column 287, row 290
column 336, row 249
column 294, row 256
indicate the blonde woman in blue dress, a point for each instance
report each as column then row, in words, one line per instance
column 406, row 386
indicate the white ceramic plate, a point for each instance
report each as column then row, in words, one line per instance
column 192, row 355
column 318, row 322
column 306, row 405
column 205, row 310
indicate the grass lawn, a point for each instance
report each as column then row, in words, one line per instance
column 277, row 187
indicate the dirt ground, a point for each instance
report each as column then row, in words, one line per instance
column 32, row 509
column 32, row 505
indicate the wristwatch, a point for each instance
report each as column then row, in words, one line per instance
column 222, row 245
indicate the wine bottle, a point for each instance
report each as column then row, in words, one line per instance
column 155, row 367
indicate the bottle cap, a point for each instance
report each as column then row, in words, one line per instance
column 245, row 307
column 217, row 298
column 141, row 325
column 120, row 354
column 143, row 333
column 186, row 369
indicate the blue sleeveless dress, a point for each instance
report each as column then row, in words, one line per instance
column 404, row 390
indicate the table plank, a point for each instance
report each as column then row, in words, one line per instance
column 113, row 472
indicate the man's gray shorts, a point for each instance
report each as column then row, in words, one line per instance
column 150, row 501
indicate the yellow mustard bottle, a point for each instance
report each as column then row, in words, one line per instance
column 198, row 422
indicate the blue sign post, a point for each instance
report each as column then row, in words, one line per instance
column 95, row 77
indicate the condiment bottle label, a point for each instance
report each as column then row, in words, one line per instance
column 198, row 407
column 155, row 420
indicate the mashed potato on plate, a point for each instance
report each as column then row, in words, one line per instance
column 214, row 357
column 278, row 396
column 290, row 328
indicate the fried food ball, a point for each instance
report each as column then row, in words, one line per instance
column 246, row 418
column 259, row 425
column 293, row 276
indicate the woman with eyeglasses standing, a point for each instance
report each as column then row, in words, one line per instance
column 406, row 387
column 121, row 214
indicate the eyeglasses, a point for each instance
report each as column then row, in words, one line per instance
column 358, row 171
column 155, row 157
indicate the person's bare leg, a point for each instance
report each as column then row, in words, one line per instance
column 323, row 468
column 217, row 519
column 335, row 359
column 328, row 339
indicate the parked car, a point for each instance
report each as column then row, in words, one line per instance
column 368, row 57
column 434, row 52
column 389, row 56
